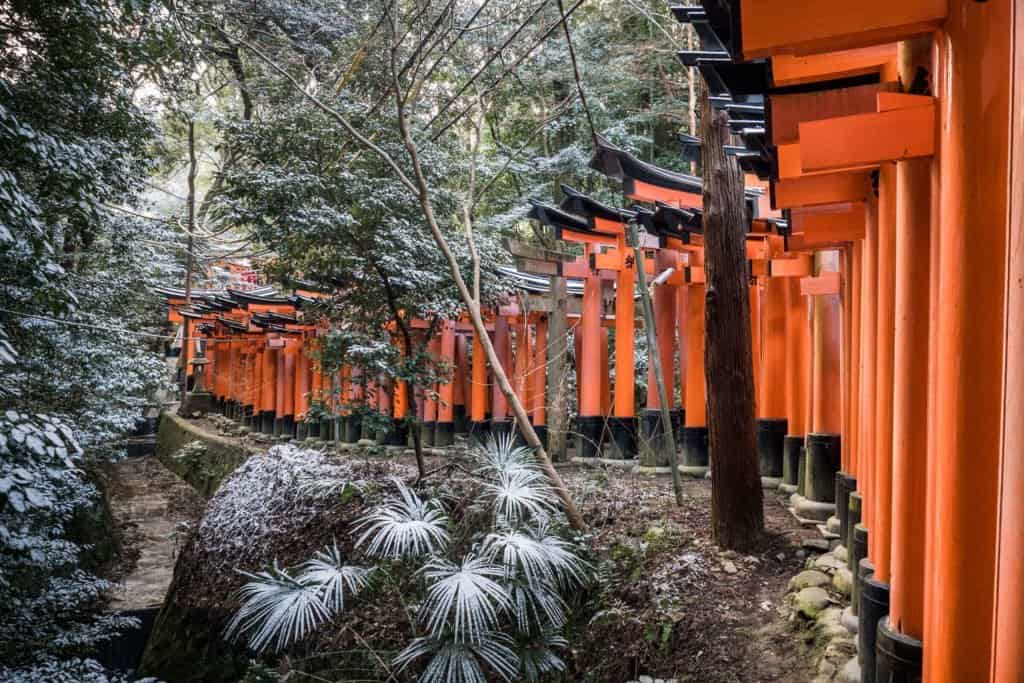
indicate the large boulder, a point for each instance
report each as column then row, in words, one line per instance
column 280, row 506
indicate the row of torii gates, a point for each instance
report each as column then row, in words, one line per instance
column 882, row 144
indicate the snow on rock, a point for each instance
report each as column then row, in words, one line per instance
column 273, row 497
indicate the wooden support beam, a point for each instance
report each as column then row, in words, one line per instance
column 825, row 284
column 828, row 224
column 789, row 70
column 830, row 188
column 863, row 139
column 789, row 111
column 772, row 27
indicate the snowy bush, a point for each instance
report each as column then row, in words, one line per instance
column 46, row 601
column 489, row 601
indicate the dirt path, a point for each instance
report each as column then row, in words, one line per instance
column 153, row 509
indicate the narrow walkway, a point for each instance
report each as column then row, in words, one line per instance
column 155, row 510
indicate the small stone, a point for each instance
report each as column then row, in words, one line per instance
column 850, row 672
column 781, row 557
column 842, row 581
column 807, row 579
column 840, row 553
column 196, row 414
column 816, row 544
column 366, row 442
column 811, row 601
column 729, row 567
column 826, row 668
column 828, row 563
column 800, row 554
column 753, row 559
column 646, row 679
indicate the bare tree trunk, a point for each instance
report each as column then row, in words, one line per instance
column 737, row 514
column 669, row 439
column 558, row 387
column 190, row 207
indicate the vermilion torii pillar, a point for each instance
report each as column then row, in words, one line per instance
column 479, row 419
column 430, row 396
column 444, row 431
column 500, row 423
column 460, row 395
column 772, row 425
column 538, row 380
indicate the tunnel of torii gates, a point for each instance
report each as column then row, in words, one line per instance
column 885, row 275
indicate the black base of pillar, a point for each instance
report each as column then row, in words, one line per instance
column 623, row 437
column 791, row 447
column 501, row 428
column 267, row 422
column 897, row 657
column 427, row 434
column 851, row 539
column 301, row 430
column 313, row 429
column 397, row 435
column 678, row 418
column 864, row 568
column 478, row 432
column 588, row 435
column 247, row 417
column 542, row 434
column 823, row 462
column 288, row 426
column 801, row 470
column 278, row 426
column 874, row 606
column 695, row 447
column 845, row 485
column 771, row 437
column 460, row 420
column 444, row 434
column 353, row 429
column 651, row 443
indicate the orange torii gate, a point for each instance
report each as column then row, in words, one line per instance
column 902, row 113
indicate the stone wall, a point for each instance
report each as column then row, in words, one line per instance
column 205, row 465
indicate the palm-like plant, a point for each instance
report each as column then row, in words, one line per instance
column 279, row 609
column 404, row 527
column 520, row 494
column 501, row 454
column 464, row 599
column 328, row 570
column 462, row 662
column 539, row 658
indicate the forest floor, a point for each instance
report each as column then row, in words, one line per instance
column 679, row 607
column 154, row 511
column 669, row 604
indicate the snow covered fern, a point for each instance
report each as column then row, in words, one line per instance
column 487, row 603
column 279, row 609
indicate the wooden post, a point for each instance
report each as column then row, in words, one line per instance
column 558, row 386
column 658, row 371
column 737, row 513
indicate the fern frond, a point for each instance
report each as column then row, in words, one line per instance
column 460, row 662
column 463, row 599
column 404, row 527
column 519, row 495
column 538, row 658
column 328, row 570
column 536, row 603
column 277, row 610
column 500, row 454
